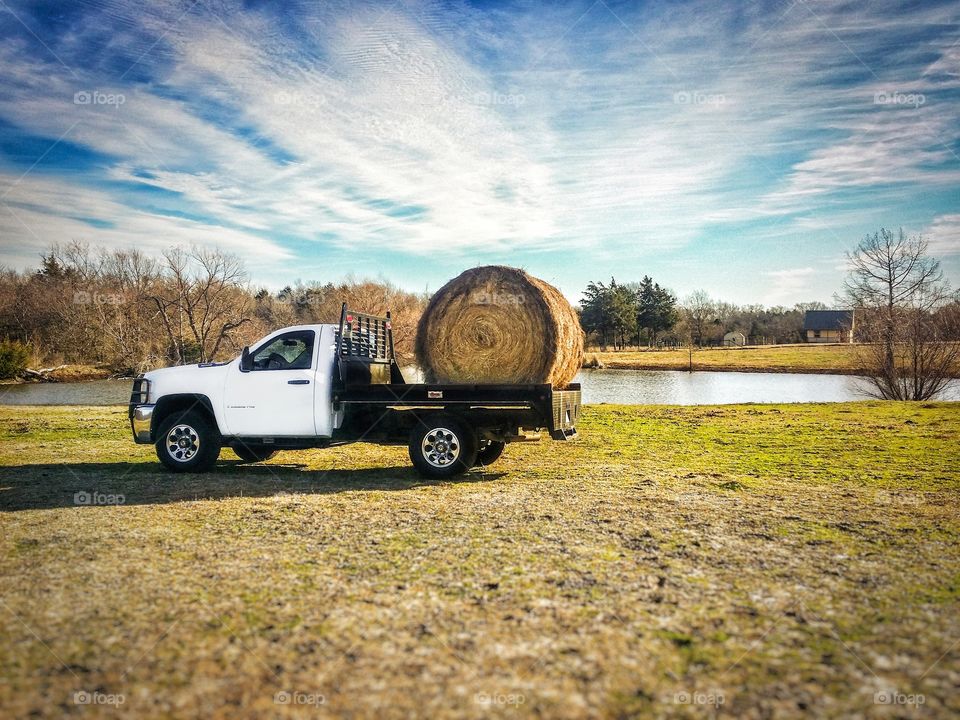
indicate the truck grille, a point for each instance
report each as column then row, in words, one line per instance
column 139, row 394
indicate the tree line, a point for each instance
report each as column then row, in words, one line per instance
column 128, row 312
column 635, row 314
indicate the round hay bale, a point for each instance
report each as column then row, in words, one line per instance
column 497, row 324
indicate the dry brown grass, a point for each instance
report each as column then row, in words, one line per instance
column 840, row 359
column 791, row 560
column 79, row 373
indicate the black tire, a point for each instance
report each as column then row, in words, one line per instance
column 489, row 452
column 457, row 449
column 253, row 453
column 188, row 442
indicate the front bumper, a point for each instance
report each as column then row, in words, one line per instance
column 141, row 420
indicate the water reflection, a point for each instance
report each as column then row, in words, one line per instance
column 91, row 392
column 630, row 387
column 671, row 387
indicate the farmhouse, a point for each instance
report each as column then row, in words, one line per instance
column 734, row 339
column 828, row 326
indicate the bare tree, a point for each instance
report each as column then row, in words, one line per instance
column 316, row 303
column 127, row 317
column 201, row 299
column 698, row 310
column 898, row 293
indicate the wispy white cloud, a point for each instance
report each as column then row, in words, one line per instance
column 433, row 130
column 398, row 144
column 40, row 211
column 943, row 235
column 783, row 286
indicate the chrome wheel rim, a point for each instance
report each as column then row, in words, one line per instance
column 183, row 443
column 440, row 447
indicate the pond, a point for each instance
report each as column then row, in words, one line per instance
column 675, row 387
column 631, row 387
column 90, row 392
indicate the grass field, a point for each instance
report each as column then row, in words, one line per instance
column 735, row 561
column 839, row 359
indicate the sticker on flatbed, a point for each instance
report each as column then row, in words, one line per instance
column 435, row 394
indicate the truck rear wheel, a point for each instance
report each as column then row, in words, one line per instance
column 188, row 442
column 442, row 446
column 253, row 453
column 489, row 452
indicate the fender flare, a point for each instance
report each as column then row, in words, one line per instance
column 182, row 402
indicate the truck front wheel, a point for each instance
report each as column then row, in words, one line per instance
column 188, row 442
column 442, row 446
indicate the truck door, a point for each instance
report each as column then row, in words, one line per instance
column 275, row 397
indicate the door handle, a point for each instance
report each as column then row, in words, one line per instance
column 298, row 382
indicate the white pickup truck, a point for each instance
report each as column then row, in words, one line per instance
column 324, row 385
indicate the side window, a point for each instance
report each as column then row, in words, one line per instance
column 290, row 351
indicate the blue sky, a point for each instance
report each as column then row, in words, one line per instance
column 736, row 147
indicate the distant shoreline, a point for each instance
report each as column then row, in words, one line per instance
column 65, row 374
column 729, row 368
column 825, row 359
column 810, row 359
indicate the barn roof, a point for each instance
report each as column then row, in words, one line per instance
column 827, row 319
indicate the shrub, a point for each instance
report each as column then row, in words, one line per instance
column 14, row 357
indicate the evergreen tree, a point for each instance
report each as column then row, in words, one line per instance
column 595, row 312
column 656, row 309
column 609, row 312
column 623, row 303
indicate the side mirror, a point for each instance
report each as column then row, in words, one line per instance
column 246, row 361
